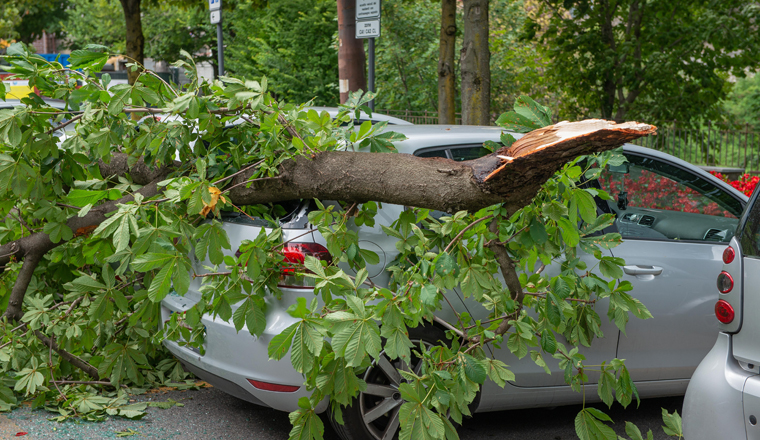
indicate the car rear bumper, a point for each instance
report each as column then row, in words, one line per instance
column 713, row 405
column 232, row 358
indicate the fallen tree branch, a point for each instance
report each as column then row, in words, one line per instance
column 72, row 359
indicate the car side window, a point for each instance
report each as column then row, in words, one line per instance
column 468, row 153
column 432, row 153
column 656, row 200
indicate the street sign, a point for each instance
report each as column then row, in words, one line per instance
column 216, row 16
column 214, row 5
column 368, row 29
column 366, row 9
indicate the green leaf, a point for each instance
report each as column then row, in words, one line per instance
column 80, row 197
column 516, row 122
column 586, row 205
column 93, row 57
column 151, row 261
column 610, row 268
column 58, row 231
column 589, row 427
column 569, row 232
column 534, row 111
column 633, row 431
column 673, row 425
column 538, row 232
column 473, row 369
column 306, row 423
column 548, row 342
column 161, row 284
column 279, row 345
column 445, row 264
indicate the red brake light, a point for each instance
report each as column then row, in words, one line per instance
column 725, row 282
column 728, row 255
column 295, row 255
column 724, row 312
column 266, row 386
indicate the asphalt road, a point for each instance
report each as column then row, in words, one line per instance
column 211, row 414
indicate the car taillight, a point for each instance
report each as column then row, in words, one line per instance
column 728, row 255
column 266, row 386
column 725, row 282
column 295, row 255
column 724, row 312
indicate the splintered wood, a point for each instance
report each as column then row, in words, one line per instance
column 569, row 135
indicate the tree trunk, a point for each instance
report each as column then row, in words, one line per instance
column 350, row 51
column 446, row 79
column 475, row 60
column 135, row 38
column 609, row 85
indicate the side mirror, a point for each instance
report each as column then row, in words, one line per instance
column 622, row 200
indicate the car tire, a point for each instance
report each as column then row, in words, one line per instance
column 382, row 403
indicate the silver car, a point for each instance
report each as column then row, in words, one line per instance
column 675, row 220
column 723, row 398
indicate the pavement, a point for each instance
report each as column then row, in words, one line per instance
column 211, row 414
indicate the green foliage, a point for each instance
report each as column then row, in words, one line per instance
column 743, row 102
column 98, row 292
column 291, row 41
column 26, row 19
column 623, row 60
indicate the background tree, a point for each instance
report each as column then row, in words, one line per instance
column 743, row 102
column 651, row 60
column 94, row 20
column 407, row 55
column 290, row 40
column 446, row 72
column 475, row 64
column 134, row 42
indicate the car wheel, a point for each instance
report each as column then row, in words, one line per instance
column 373, row 414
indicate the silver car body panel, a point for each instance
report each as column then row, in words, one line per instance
column 232, row 358
column 713, row 407
column 670, row 345
column 746, row 345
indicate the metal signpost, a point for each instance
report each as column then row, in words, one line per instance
column 215, row 7
column 368, row 26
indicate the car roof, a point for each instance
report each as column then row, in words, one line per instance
column 377, row 117
column 425, row 136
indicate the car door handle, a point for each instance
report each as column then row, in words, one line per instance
column 642, row 270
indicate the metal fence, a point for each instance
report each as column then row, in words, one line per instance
column 417, row 117
column 712, row 145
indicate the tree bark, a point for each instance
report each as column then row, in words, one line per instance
column 350, row 52
column 609, row 85
column 135, row 38
column 446, row 79
column 475, row 59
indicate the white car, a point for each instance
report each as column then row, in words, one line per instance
column 675, row 220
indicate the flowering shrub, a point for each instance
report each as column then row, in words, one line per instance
column 745, row 184
column 651, row 190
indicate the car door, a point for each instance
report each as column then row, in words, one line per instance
column 675, row 225
column 527, row 373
